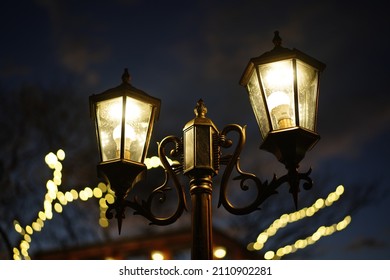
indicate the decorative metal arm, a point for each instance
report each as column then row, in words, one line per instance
column 202, row 139
column 264, row 189
column 160, row 192
column 144, row 207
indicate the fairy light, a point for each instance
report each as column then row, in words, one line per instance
column 306, row 212
column 55, row 201
column 321, row 232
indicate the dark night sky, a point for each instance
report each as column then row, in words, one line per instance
column 180, row 52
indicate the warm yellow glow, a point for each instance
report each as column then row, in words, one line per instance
column 49, row 215
column 155, row 162
column 58, row 166
column 279, row 74
column 18, row 228
column 103, row 222
column 58, row 208
column 27, row 237
column 305, row 212
column 130, row 136
column 24, row 245
column 262, row 238
column 102, row 187
column 277, row 99
column 103, row 203
column 61, row 198
column 75, row 194
column 36, row 226
column 258, row 246
column 29, row 230
column 51, row 186
column 97, row 193
column 61, row 154
column 69, row 196
column 157, row 256
column 277, row 80
column 340, row 190
column 83, row 196
column 51, row 159
column 269, row 255
column 110, row 198
column 114, row 109
column 220, row 252
column 319, row 203
column 88, row 192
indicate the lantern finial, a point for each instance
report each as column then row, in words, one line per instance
column 126, row 76
column 277, row 40
column 200, row 109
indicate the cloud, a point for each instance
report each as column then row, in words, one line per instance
column 76, row 39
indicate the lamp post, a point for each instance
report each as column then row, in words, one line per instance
column 283, row 90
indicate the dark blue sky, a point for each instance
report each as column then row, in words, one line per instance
column 180, row 52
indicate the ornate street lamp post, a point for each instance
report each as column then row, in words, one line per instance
column 283, row 90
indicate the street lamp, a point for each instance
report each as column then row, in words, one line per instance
column 124, row 118
column 283, row 87
column 283, row 90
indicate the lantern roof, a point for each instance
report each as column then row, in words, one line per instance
column 276, row 54
column 127, row 89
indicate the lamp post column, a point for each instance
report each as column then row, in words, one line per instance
column 200, row 163
column 201, row 193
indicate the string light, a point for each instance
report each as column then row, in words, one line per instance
column 306, row 212
column 55, row 201
column 310, row 240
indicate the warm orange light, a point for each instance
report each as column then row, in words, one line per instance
column 157, row 256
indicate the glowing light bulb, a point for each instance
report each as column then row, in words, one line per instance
column 279, row 106
column 129, row 137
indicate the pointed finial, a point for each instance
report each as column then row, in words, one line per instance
column 126, row 76
column 120, row 215
column 200, row 109
column 277, row 40
column 295, row 197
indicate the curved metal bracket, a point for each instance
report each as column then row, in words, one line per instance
column 144, row 208
column 160, row 192
column 264, row 189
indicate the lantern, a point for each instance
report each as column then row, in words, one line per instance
column 283, row 87
column 124, row 118
column 201, row 151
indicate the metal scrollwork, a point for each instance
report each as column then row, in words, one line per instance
column 264, row 189
column 144, row 208
column 232, row 161
column 161, row 192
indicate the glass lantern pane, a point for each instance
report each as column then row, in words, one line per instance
column 277, row 79
column 257, row 103
column 307, row 80
column 137, row 119
column 109, row 118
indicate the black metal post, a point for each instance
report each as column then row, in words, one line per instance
column 201, row 193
